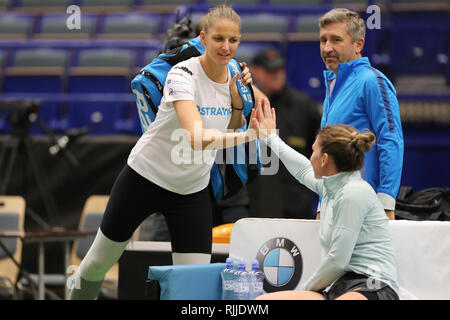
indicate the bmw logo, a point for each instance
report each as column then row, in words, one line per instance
column 282, row 263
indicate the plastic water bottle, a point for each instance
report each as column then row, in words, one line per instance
column 256, row 279
column 228, row 281
column 242, row 285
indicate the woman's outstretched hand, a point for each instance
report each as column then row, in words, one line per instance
column 263, row 119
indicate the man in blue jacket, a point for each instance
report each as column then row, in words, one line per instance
column 361, row 96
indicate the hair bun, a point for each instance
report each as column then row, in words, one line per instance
column 363, row 141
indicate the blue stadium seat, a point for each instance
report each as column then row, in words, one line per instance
column 296, row 2
column 304, row 28
column 15, row 26
column 5, row 4
column 39, row 6
column 235, row 2
column 100, row 71
column 127, row 121
column 306, row 73
column 417, row 51
column 38, row 71
column 350, row 3
column 107, row 57
column 163, row 6
column 130, row 26
column 420, row 1
column 417, row 40
column 307, row 24
column 167, row 2
column 264, row 27
column 107, row 5
column 54, row 26
column 426, row 156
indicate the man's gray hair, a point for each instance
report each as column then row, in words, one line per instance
column 356, row 27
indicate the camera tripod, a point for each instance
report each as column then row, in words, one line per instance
column 19, row 145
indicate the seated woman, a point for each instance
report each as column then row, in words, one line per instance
column 354, row 232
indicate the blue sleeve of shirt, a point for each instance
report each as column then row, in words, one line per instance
column 383, row 112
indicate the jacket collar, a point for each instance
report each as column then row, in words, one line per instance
column 335, row 182
column 344, row 69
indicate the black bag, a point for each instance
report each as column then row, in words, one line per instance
column 427, row 204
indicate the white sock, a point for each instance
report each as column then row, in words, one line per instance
column 190, row 258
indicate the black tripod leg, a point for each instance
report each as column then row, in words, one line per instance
column 39, row 175
column 18, row 265
column 3, row 152
column 10, row 163
column 26, row 275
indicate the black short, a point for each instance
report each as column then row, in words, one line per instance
column 133, row 198
column 370, row 288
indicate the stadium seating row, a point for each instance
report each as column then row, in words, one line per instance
column 95, row 92
column 111, row 56
column 158, row 5
column 396, row 52
column 136, row 25
column 30, row 5
column 102, row 57
column 261, row 21
column 96, row 79
column 63, row 58
column 411, row 41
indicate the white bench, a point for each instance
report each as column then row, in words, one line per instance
column 422, row 252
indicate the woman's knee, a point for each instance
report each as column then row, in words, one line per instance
column 353, row 295
column 292, row 295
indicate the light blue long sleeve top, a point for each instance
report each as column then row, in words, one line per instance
column 354, row 230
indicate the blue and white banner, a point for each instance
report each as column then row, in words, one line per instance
column 289, row 251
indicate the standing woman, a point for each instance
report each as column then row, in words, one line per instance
column 168, row 169
column 354, row 230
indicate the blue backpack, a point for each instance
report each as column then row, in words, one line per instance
column 147, row 86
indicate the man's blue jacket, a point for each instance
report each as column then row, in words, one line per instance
column 364, row 98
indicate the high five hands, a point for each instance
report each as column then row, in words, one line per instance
column 263, row 119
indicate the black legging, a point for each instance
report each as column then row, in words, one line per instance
column 133, row 198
